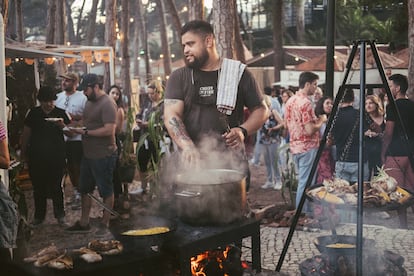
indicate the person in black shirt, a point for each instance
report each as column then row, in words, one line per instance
column 43, row 149
column 346, row 134
column 396, row 150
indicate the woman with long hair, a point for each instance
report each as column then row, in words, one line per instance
column 147, row 151
column 116, row 94
column 326, row 165
column 373, row 136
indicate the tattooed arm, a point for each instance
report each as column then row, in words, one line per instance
column 173, row 112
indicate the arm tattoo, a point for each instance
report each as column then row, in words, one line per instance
column 178, row 128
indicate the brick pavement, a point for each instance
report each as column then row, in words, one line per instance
column 387, row 237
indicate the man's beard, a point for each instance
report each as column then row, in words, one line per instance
column 198, row 61
column 69, row 89
column 92, row 96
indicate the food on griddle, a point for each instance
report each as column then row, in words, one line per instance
column 381, row 191
column 384, row 181
column 45, row 259
column 91, row 257
column 63, row 262
column 340, row 245
column 110, row 247
column 51, row 249
column 400, row 195
column 52, row 257
column 148, row 231
column 88, row 255
column 330, row 198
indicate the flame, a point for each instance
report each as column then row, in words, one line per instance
column 199, row 262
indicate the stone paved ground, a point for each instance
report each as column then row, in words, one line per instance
column 384, row 231
column 301, row 247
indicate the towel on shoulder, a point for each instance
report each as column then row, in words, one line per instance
column 228, row 82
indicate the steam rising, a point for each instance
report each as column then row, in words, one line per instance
column 218, row 165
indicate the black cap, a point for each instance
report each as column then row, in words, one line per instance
column 46, row 93
column 88, row 80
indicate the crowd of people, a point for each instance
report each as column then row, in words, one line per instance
column 79, row 131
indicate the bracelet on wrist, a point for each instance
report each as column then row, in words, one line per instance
column 244, row 131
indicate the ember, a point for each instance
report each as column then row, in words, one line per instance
column 218, row 262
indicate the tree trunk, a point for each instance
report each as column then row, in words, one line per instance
column 92, row 23
column 300, row 21
column 144, row 35
column 19, row 20
column 125, row 73
column 176, row 22
column 110, row 35
column 164, row 40
column 78, row 38
column 51, row 16
column 5, row 13
column 223, row 13
column 60, row 29
column 137, row 28
column 278, row 55
column 70, row 27
column 238, row 42
column 196, row 9
column 411, row 49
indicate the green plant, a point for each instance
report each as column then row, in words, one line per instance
column 289, row 176
column 156, row 134
column 127, row 156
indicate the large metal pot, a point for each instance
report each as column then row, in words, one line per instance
column 211, row 197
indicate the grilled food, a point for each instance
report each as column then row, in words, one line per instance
column 51, row 249
column 110, row 247
column 52, row 257
column 63, row 262
column 91, row 257
column 88, row 255
column 148, row 231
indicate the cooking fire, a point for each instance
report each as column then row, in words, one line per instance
column 218, row 262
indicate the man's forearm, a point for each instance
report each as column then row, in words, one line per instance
column 178, row 133
column 256, row 119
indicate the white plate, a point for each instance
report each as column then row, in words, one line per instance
column 54, row 119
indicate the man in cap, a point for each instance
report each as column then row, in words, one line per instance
column 73, row 102
column 99, row 152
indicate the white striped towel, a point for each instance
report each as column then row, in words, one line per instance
column 228, row 82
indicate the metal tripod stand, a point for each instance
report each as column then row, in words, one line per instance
column 362, row 86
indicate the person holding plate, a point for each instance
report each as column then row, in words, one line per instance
column 43, row 150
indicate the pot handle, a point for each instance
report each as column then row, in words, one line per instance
column 188, row 194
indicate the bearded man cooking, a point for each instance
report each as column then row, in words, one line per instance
column 206, row 98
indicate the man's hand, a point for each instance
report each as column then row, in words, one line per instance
column 190, row 157
column 234, row 138
column 323, row 118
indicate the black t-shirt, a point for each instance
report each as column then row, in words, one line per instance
column 46, row 141
column 399, row 145
column 198, row 90
column 342, row 129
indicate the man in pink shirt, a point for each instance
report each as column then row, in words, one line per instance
column 303, row 127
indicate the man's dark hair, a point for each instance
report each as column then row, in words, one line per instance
column 349, row 96
column 305, row 77
column 268, row 90
column 401, row 81
column 198, row 26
